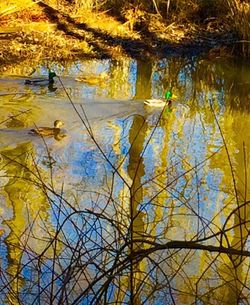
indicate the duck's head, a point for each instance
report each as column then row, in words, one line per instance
column 52, row 74
column 169, row 95
column 58, row 123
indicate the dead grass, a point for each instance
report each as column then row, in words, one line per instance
column 14, row 6
column 26, row 31
column 103, row 22
column 41, row 45
column 240, row 16
column 173, row 32
column 22, row 14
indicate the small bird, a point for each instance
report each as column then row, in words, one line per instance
column 42, row 81
column 48, row 131
column 161, row 102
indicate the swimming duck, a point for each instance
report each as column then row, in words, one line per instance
column 42, row 81
column 161, row 102
column 48, row 131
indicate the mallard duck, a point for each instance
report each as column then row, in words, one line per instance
column 42, row 81
column 161, row 102
column 48, row 131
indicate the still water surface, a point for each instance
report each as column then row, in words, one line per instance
column 160, row 176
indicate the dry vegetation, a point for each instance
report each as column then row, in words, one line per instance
column 56, row 29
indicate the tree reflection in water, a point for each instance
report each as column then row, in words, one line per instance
column 154, row 211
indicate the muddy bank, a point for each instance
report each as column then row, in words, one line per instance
column 62, row 37
column 55, row 46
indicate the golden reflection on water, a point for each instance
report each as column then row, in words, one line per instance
column 169, row 192
column 28, row 224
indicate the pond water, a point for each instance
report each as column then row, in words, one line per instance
column 125, row 177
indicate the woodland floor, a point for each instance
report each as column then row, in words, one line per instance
column 60, row 37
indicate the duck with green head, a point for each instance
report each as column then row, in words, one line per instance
column 42, row 81
column 48, row 131
column 167, row 100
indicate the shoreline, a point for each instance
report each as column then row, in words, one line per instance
column 61, row 37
